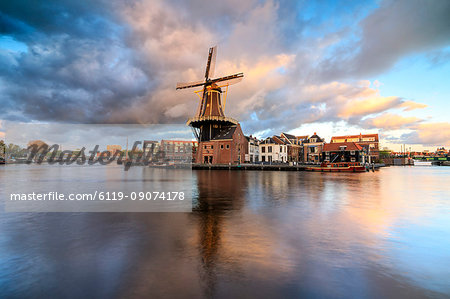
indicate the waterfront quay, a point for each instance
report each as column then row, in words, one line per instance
column 265, row 167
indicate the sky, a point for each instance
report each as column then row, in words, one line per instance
column 309, row 66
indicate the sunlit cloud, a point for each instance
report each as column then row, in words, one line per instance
column 389, row 121
column 432, row 134
column 111, row 62
column 410, row 105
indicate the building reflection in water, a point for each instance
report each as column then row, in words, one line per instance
column 218, row 192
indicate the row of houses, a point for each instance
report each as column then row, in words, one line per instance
column 232, row 146
column 287, row 148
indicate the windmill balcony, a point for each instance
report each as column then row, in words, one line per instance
column 212, row 117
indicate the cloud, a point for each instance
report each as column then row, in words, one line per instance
column 389, row 121
column 118, row 62
column 430, row 134
column 394, row 30
column 361, row 107
column 410, row 105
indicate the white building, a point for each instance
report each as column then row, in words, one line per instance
column 253, row 150
column 273, row 150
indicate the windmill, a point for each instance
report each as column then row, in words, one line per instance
column 210, row 118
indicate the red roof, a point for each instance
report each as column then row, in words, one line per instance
column 334, row 147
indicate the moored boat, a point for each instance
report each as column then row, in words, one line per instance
column 422, row 162
column 339, row 167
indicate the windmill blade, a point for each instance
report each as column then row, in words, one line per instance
column 229, row 80
column 190, row 84
column 212, row 66
column 208, row 62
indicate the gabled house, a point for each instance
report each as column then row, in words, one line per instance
column 312, row 148
column 273, row 150
column 294, row 147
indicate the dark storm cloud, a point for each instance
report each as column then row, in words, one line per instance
column 396, row 29
column 76, row 67
column 76, row 18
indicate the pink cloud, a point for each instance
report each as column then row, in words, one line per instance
column 437, row 134
column 410, row 105
column 390, row 121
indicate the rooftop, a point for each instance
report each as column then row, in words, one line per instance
column 349, row 146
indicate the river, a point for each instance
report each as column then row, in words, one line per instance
column 267, row 234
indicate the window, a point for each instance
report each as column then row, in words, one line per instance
column 352, row 153
column 263, row 158
column 212, row 147
column 263, row 149
column 270, row 148
column 204, row 147
column 353, row 160
column 312, row 140
column 228, row 146
column 221, row 146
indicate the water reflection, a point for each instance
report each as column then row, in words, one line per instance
column 218, row 192
column 265, row 234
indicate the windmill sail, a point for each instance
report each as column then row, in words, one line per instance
column 212, row 66
column 211, row 57
column 190, row 84
column 229, row 80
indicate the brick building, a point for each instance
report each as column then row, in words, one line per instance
column 228, row 146
column 179, row 151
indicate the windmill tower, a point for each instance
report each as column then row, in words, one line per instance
column 210, row 118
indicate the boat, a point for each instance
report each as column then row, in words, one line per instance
column 422, row 163
column 338, row 167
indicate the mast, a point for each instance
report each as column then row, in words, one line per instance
column 126, row 151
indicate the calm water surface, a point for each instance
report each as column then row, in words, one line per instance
column 265, row 234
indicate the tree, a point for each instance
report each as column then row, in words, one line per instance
column 2, row 148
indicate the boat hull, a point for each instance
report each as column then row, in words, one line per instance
column 337, row 167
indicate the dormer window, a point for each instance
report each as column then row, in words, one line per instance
column 343, row 147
